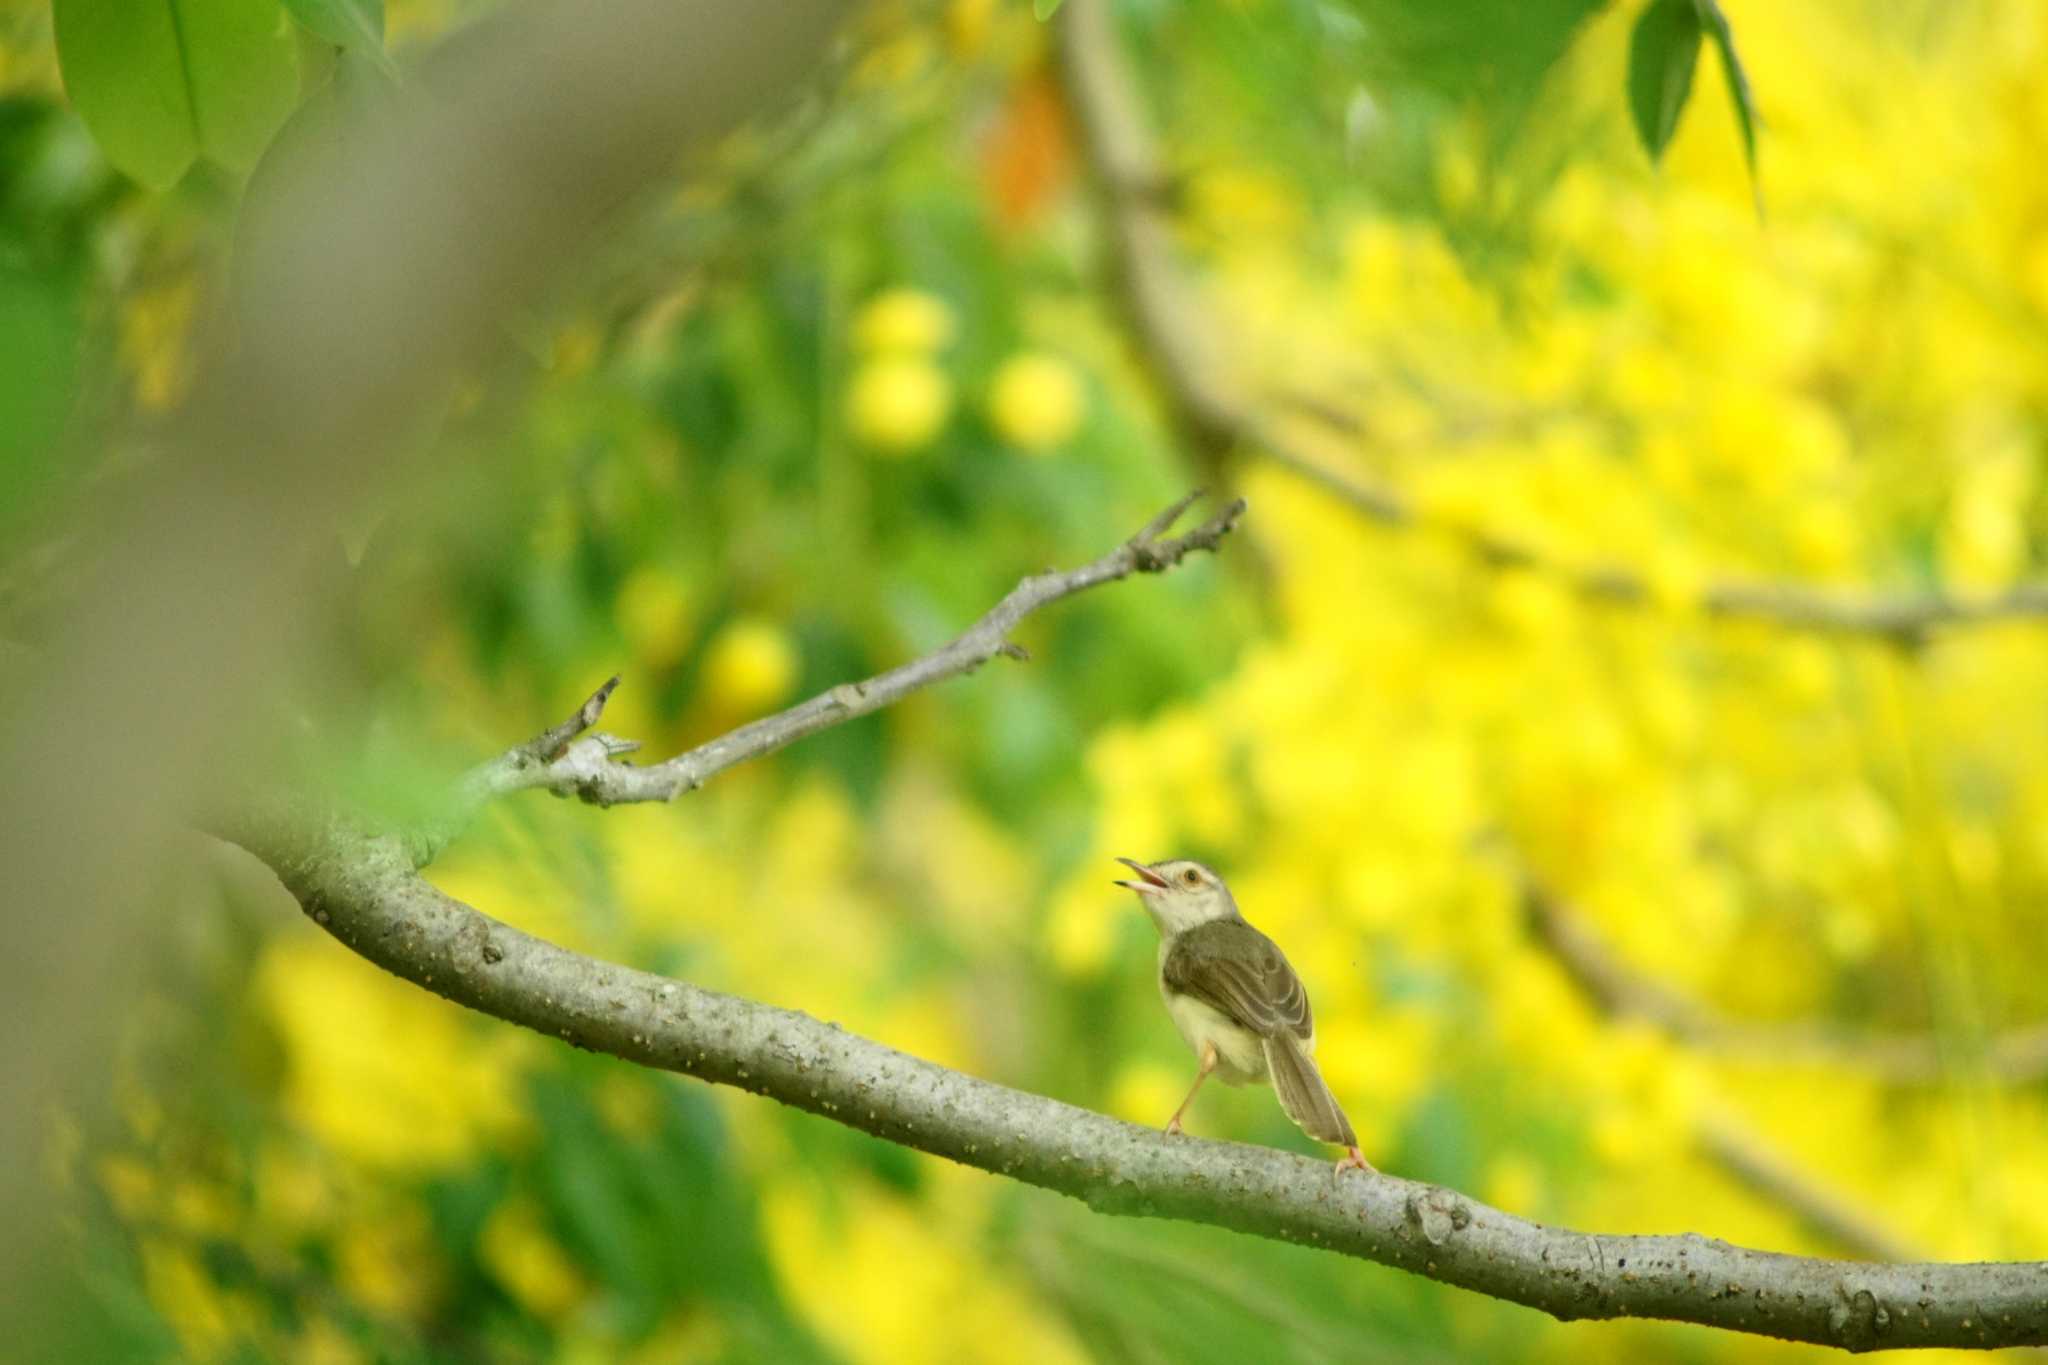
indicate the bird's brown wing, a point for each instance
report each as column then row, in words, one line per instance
column 1238, row 971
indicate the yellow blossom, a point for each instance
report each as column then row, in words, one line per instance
column 1035, row 401
column 517, row 1249
column 904, row 322
column 897, row 404
column 194, row 1306
column 750, row 665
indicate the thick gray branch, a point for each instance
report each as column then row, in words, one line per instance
column 588, row 767
column 366, row 893
column 1177, row 337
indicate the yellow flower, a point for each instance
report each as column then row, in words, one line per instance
column 320, row 1342
column 895, row 61
column 903, row 322
column 407, row 1084
column 750, row 666
column 293, row 1193
column 388, row 1263
column 886, row 1280
column 132, row 1187
column 1675, row 581
column 1533, row 603
column 1983, row 540
column 1824, row 537
column 967, row 25
column 1035, row 401
column 516, row 1247
column 1238, row 203
column 181, row 1290
column 154, row 332
column 896, row 404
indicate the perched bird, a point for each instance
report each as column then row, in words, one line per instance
column 1236, row 1000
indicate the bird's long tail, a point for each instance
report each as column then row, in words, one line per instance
column 1304, row 1095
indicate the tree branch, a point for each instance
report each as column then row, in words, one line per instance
column 2018, row 1057
column 364, row 888
column 589, row 768
column 1176, row 337
column 365, row 891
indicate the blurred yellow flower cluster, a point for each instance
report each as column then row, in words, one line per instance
column 898, row 397
column 1847, row 392
column 1036, row 401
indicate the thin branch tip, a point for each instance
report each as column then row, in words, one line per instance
column 562, row 760
column 1163, row 523
column 1152, row 555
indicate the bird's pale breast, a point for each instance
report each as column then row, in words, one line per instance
column 1240, row 1054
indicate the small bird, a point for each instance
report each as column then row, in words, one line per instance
column 1236, row 1000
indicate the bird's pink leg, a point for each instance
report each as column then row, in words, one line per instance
column 1354, row 1160
column 1208, row 1065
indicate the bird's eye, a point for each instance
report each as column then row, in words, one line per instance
column 1191, row 877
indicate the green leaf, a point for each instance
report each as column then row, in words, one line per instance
column 1045, row 9
column 1739, row 93
column 163, row 82
column 1662, row 53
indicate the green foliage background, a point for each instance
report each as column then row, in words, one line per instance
column 818, row 404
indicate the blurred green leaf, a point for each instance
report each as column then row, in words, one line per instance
column 1739, row 93
column 1498, row 48
column 1662, row 53
column 165, row 82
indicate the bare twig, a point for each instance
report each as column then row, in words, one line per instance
column 1178, row 337
column 547, row 746
column 2017, row 1057
column 588, row 767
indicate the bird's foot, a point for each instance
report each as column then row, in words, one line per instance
column 1173, row 1125
column 1354, row 1160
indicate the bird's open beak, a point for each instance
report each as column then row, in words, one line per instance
column 1148, row 880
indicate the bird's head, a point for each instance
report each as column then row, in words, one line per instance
column 1179, row 893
